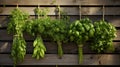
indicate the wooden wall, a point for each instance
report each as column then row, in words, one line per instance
column 90, row 8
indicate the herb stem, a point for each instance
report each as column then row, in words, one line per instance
column 60, row 50
column 80, row 53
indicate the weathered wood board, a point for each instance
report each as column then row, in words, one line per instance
column 67, row 59
column 115, row 20
column 69, row 10
column 60, row 2
column 7, row 36
column 68, row 48
column 92, row 9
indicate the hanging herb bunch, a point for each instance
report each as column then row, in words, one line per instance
column 58, row 31
column 105, row 33
column 37, row 27
column 79, row 32
column 16, row 26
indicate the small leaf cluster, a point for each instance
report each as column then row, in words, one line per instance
column 81, row 30
column 104, row 35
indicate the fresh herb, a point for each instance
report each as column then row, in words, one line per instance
column 104, row 34
column 36, row 27
column 16, row 26
column 58, row 31
column 79, row 32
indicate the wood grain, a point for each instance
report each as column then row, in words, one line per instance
column 68, row 48
column 7, row 36
column 60, row 2
column 90, row 8
column 67, row 59
column 69, row 10
column 115, row 20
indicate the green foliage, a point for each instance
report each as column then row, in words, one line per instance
column 18, row 49
column 16, row 26
column 37, row 27
column 39, row 48
column 56, row 29
column 17, row 21
column 104, row 34
column 81, row 31
column 59, row 30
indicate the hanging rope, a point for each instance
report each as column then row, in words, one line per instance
column 38, row 5
column 59, row 12
column 17, row 5
column 38, row 13
column 80, row 11
column 103, row 16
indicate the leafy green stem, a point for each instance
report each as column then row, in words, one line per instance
column 60, row 50
column 80, row 53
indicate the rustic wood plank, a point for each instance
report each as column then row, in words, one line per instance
column 118, row 35
column 67, row 59
column 5, row 47
column 30, row 10
column 115, row 20
column 70, row 57
column 7, row 36
column 5, row 19
column 69, row 10
column 61, row 2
